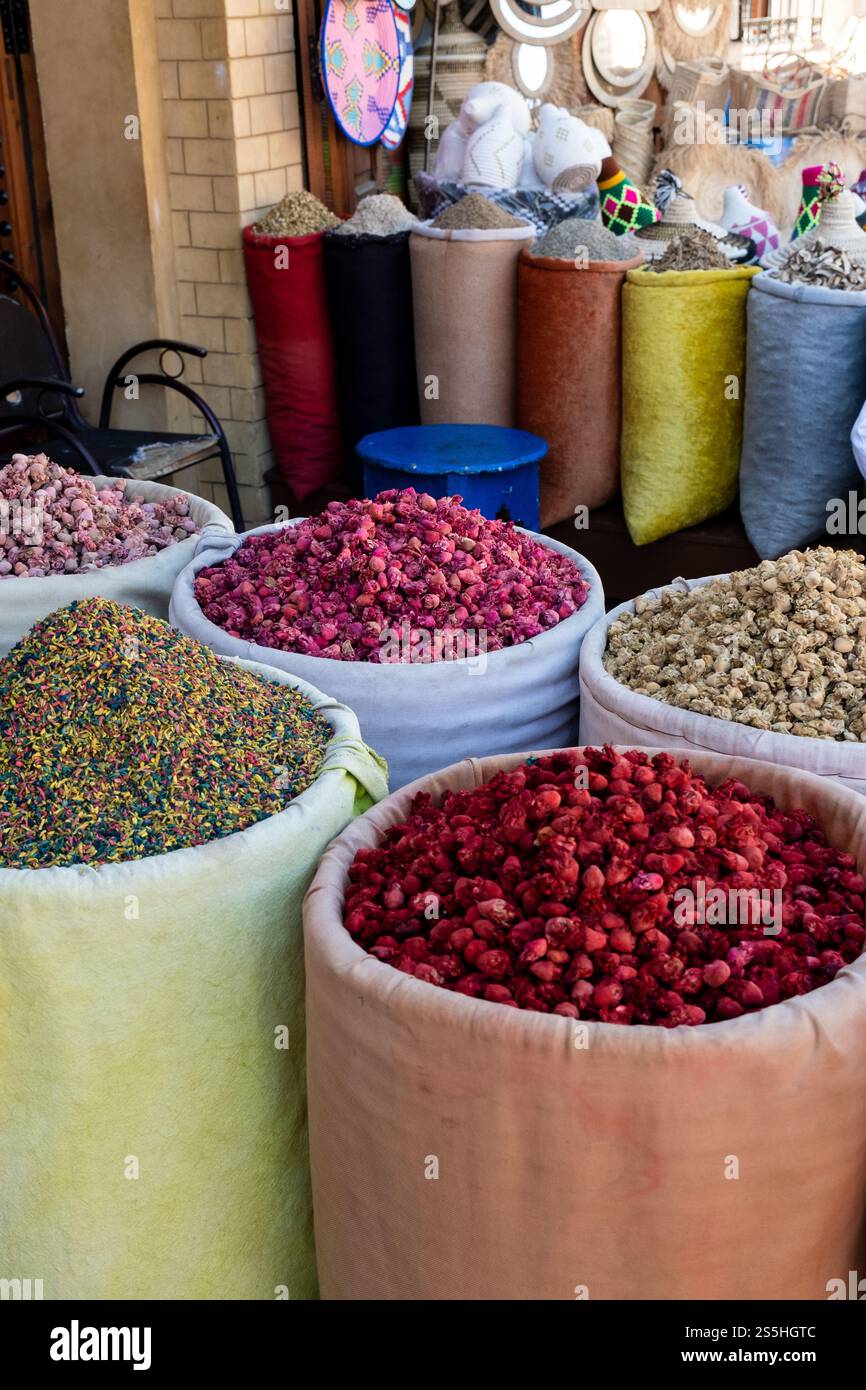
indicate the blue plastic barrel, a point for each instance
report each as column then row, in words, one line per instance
column 492, row 468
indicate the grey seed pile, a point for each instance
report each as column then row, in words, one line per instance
column 379, row 215
column 781, row 646
column 298, row 214
column 474, row 210
column 579, row 239
column 816, row 263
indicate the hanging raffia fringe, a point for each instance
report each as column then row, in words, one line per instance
column 677, row 45
column 566, row 87
column 707, row 170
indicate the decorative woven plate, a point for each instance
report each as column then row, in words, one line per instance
column 361, row 66
column 396, row 127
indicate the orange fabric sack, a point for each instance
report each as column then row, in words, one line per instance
column 463, row 1150
column 569, row 376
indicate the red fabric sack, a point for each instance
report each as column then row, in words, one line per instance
column 296, row 352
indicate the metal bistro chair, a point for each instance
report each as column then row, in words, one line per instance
column 37, row 399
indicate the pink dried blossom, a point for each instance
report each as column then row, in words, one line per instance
column 56, row 521
column 395, row 579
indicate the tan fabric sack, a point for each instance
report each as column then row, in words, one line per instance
column 462, row 1150
column 464, row 295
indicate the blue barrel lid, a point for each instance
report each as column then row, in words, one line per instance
column 451, row 448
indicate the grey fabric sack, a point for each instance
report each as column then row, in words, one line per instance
column 805, row 382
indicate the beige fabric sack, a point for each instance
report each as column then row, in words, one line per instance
column 464, row 296
column 143, row 583
column 462, row 1150
column 610, row 712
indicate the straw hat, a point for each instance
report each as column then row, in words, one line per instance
column 681, row 215
column 837, row 228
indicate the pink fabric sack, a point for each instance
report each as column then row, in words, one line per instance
column 462, row 1150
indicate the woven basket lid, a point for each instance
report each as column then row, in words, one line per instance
column 837, row 227
column 681, row 215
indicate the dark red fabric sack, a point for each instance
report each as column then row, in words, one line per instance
column 296, row 352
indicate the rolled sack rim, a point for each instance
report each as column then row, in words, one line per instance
column 383, row 986
column 645, row 278
column 212, row 520
column 266, row 241
column 831, row 758
column 528, row 232
column 558, row 263
column 808, row 294
column 346, row 738
column 573, row 626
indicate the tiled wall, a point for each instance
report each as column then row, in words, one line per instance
column 233, row 148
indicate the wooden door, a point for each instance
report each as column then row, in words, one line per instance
column 338, row 171
column 27, row 239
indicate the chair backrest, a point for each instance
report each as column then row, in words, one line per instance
column 26, row 350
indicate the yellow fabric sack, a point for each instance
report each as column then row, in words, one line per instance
column 683, row 386
column 153, row 1132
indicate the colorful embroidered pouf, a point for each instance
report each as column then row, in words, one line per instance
column 361, row 66
column 396, row 127
column 623, row 207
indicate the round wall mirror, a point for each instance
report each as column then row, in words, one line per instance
column 699, row 20
column 619, row 46
column 618, row 54
column 533, row 67
column 546, row 23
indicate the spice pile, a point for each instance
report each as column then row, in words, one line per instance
column 55, row 521
column 697, row 250
column 474, row 210
column 124, row 739
column 781, row 646
column 538, row 892
column 379, row 215
column 298, row 214
column 578, row 239
column 340, row 584
column 815, row 263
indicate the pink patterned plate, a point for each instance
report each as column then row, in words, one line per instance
column 361, row 66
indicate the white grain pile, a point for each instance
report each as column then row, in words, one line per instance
column 379, row 215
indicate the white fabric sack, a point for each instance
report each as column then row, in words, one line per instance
column 153, row 1137
column 420, row 717
column 570, row 1164
column 858, row 441
column 612, row 713
column 143, row 583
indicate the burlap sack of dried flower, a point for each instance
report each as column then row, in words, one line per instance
column 464, row 1150
column 146, row 583
column 684, row 350
column 153, row 1137
column 766, row 663
column 805, row 378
